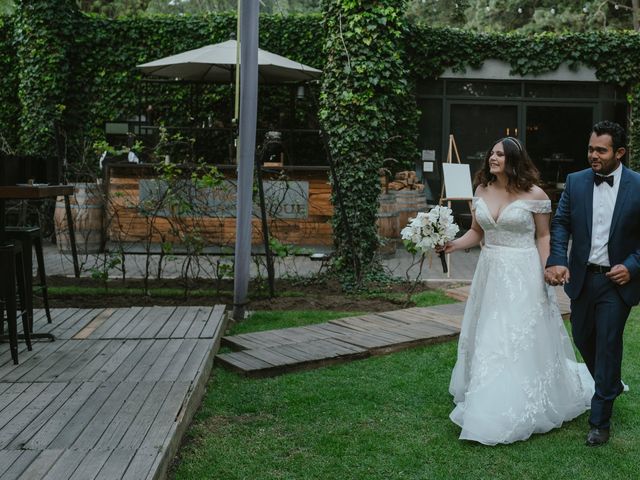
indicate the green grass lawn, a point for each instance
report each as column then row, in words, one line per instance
column 387, row 418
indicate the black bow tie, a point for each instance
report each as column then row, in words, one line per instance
column 598, row 179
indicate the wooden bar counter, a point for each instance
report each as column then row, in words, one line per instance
column 300, row 213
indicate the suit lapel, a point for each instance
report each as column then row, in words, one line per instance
column 623, row 193
column 588, row 203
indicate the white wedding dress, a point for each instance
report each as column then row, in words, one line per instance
column 516, row 372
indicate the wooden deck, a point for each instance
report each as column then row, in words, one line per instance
column 111, row 397
column 274, row 352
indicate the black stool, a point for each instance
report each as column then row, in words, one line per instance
column 31, row 238
column 13, row 260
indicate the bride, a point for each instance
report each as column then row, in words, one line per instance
column 516, row 373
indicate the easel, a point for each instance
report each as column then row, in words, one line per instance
column 463, row 193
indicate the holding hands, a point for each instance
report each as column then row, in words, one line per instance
column 557, row 275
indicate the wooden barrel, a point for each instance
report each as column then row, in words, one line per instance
column 86, row 212
column 387, row 216
column 387, row 223
column 408, row 204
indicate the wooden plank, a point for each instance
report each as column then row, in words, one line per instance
column 12, row 373
column 212, row 328
column 131, row 361
column 41, row 464
column 329, row 329
column 140, row 464
column 107, row 412
column 59, row 317
column 300, row 355
column 173, row 321
column 114, row 362
column 114, row 328
column 363, row 339
column 66, row 465
column 7, row 457
column 94, row 324
column 199, row 322
column 118, row 426
column 267, row 339
column 296, row 335
column 137, row 430
column 103, row 355
column 240, row 361
column 58, row 420
column 90, row 465
column 76, row 322
column 40, row 392
column 81, row 362
column 165, row 420
column 194, row 364
column 103, row 328
column 15, row 471
column 271, row 356
column 74, row 427
column 19, row 431
column 142, row 366
column 70, row 352
column 153, row 322
column 239, row 342
column 10, row 392
column 145, row 316
column 183, row 325
column 172, row 373
column 155, row 373
column 155, row 327
column 116, row 464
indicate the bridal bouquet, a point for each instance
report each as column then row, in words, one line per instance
column 429, row 230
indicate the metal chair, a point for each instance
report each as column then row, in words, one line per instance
column 11, row 256
column 31, row 238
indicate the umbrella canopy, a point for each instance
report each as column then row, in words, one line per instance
column 216, row 64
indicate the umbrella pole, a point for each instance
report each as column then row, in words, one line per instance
column 265, row 224
column 236, row 72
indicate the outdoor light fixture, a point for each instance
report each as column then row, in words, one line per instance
column 300, row 92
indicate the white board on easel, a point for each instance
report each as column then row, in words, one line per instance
column 457, row 181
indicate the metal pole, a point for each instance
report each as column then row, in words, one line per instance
column 265, row 224
column 246, row 153
column 236, row 72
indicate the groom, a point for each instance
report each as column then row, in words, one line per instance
column 600, row 212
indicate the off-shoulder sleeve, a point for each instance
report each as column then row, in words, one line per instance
column 538, row 206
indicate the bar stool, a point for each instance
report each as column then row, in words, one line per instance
column 12, row 258
column 31, row 238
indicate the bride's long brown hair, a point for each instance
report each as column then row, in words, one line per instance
column 521, row 173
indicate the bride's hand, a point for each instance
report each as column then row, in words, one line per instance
column 447, row 248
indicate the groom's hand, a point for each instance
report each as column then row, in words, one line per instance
column 556, row 275
column 619, row 274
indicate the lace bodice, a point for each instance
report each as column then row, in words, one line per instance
column 515, row 226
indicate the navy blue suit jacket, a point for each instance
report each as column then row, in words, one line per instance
column 573, row 220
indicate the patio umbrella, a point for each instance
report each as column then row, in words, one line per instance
column 216, row 64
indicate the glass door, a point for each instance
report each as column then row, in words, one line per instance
column 557, row 138
column 476, row 125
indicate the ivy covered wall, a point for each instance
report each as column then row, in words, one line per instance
column 61, row 68
column 613, row 55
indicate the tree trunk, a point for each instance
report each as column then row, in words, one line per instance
column 635, row 6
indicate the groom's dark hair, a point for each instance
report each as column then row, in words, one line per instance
column 613, row 129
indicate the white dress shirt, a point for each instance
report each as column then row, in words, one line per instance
column 604, row 201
